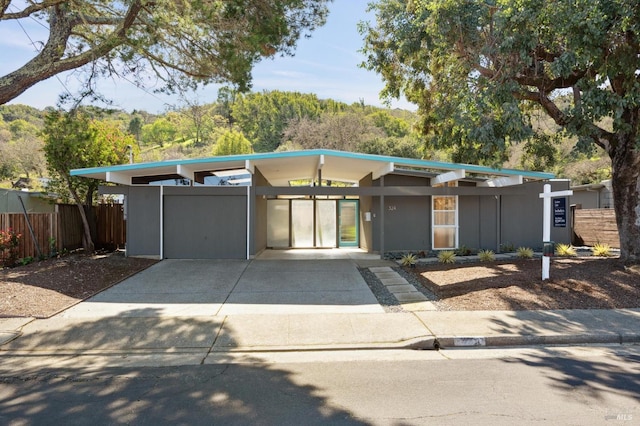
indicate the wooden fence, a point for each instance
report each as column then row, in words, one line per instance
column 591, row 226
column 63, row 229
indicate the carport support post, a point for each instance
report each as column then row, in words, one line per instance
column 382, row 220
column 546, row 223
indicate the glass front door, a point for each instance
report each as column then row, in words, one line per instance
column 304, row 223
column 348, row 222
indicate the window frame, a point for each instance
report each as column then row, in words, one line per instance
column 455, row 226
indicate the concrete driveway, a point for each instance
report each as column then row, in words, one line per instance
column 179, row 288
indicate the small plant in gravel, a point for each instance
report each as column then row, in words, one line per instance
column 565, row 250
column 447, row 256
column 524, row 252
column 601, row 250
column 507, row 248
column 464, row 251
column 409, row 260
column 486, row 256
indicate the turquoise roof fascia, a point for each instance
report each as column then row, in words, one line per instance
column 411, row 162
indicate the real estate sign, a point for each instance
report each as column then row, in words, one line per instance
column 559, row 212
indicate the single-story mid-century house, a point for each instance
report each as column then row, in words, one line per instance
column 234, row 207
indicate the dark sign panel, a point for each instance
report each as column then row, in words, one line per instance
column 560, row 212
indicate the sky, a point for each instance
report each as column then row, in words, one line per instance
column 325, row 64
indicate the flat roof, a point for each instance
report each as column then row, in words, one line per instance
column 281, row 167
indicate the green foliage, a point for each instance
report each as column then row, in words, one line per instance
column 464, row 251
column 75, row 141
column 391, row 125
column 26, row 260
column 9, row 241
column 409, row 259
column 263, row 117
column 507, row 247
column 565, row 250
column 159, row 132
column 486, row 255
column 447, row 256
column 601, row 250
column 232, row 142
column 524, row 252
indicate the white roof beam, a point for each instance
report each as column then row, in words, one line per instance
column 250, row 166
column 448, row 177
column 502, row 181
column 116, row 177
column 186, row 172
column 384, row 170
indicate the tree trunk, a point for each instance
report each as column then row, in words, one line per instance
column 626, row 201
column 87, row 241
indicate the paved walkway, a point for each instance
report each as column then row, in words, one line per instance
column 409, row 297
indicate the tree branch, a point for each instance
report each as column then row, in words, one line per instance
column 49, row 61
column 26, row 12
column 598, row 135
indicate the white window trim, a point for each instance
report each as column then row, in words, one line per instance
column 434, row 226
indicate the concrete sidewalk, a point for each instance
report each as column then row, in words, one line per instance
column 247, row 333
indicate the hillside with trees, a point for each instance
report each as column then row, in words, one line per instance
column 269, row 121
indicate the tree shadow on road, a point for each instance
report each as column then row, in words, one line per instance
column 73, row 392
column 595, row 380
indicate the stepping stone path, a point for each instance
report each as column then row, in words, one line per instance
column 409, row 297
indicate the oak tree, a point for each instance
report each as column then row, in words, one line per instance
column 478, row 68
column 180, row 42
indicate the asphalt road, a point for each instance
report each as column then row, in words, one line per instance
column 498, row 387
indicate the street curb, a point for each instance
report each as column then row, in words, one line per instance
column 418, row 343
column 443, row 342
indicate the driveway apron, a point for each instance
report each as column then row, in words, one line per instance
column 180, row 288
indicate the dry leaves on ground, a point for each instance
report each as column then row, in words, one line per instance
column 42, row 289
column 575, row 283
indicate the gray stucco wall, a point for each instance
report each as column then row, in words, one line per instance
column 205, row 223
column 407, row 223
column 143, row 221
column 485, row 222
column 522, row 217
column 478, row 222
column 407, row 220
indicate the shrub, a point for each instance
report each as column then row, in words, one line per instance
column 408, row 259
column 601, row 250
column 565, row 250
column 9, row 241
column 507, row 247
column 525, row 252
column 447, row 256
column 486, row 255
column 463, row 251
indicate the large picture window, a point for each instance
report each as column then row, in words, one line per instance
column 444, row 222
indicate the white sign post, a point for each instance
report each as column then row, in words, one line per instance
column 546, row 223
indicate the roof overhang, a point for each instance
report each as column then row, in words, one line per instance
column 280, row 168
